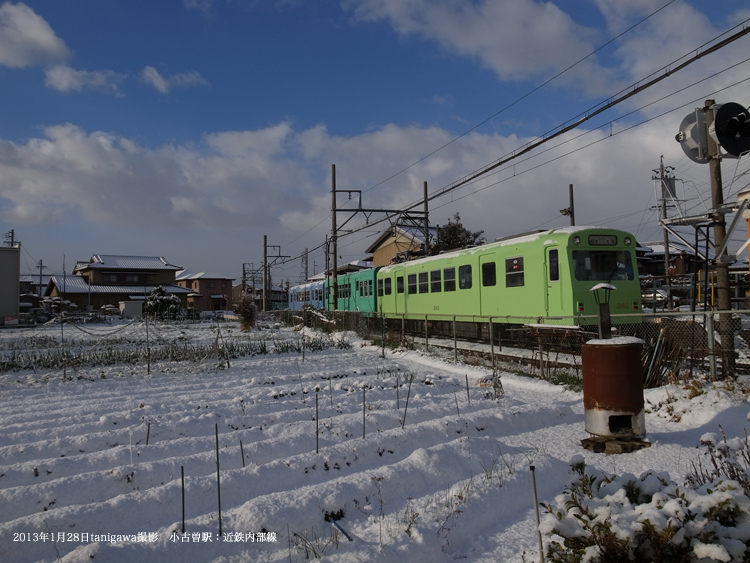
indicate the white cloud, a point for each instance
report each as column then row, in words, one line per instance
column 67, row 79
column 164, row 84
column 517, row 39
column 276, row 181
column 26, row 39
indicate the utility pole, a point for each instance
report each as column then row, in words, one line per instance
column 41, row 267
column 10, row 238
column 571, row 210
column 663, row 175
column 426, row 223
column 265, row 271
column 334, row 244
column 720, row 228
column 267, row 279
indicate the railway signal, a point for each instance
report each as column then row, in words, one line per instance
column 730, row 129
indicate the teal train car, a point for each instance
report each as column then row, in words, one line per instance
column 356, row 291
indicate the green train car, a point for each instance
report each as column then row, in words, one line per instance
column 543, row 274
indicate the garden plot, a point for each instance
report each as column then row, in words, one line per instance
column 91, row 463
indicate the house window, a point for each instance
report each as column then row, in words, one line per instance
column 435, row 281
column 489, row 277
column 464, row 277
column 109, row 277
column 132, row 278
column 514, row 272
column 423, row 284
column 449, row 279
column 412, row 279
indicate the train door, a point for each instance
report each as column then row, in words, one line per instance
column 554, row 296
column 489, row 296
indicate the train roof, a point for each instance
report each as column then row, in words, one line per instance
column 514, row 239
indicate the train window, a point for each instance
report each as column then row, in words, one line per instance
column 435, row 281
column 603, row 265
column 449, row 279
column 400, row 284
column 388, row 283
column 514, row 272
column 464, row 277
column 412, row 279
column 370, row 288
column 380, row 288
column 424, row 286
column 489, row 276
column 554, row 265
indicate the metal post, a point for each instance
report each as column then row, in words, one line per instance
column 492, row 345
column 455, row 342
column 536, row 510
column 218, row 481
column 711, row 338
column 426, row 343
column 182, row 472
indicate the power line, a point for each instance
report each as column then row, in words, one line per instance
column 518, row 100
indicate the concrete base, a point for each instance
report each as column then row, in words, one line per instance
column 615, row 423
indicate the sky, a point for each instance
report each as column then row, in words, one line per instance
column 192, row 129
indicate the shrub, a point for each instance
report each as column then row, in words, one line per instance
column 246, row 311
column 602, row 518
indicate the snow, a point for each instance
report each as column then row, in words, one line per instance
column 453, row 483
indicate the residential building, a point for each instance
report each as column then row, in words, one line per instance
column 10, row 287
column 110, row 279
column 209, row 291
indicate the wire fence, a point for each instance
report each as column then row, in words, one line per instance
column 678, row 346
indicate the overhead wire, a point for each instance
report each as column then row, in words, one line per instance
column 667, row 70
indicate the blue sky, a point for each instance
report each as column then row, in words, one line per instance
column 190, row 129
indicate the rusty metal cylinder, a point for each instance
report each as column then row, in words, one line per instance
column 613, row 387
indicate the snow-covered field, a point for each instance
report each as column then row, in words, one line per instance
column 78, row 481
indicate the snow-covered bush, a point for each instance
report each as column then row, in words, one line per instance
column 246, row 311
column 601, row 518
column 162, row 305
column 727, row 458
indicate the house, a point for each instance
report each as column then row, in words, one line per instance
column 398, row 241
column 279, row 295
column 209, row 291
column 682, row 258
column 110, row 279
column 10, row 272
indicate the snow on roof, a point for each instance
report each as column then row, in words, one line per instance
column 189, row 275
column 77, row 284
column 112, row 262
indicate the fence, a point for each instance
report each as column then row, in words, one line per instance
column 677, row 346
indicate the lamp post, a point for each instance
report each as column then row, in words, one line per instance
column 601, row 294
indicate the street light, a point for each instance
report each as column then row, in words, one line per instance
column 601, row 294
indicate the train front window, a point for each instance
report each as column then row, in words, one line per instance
column 603, row 265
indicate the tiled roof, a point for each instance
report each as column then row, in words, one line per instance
column 114, row 262
column 77, row 284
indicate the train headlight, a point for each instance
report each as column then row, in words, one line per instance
column 576, row 240
column 627, row 241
